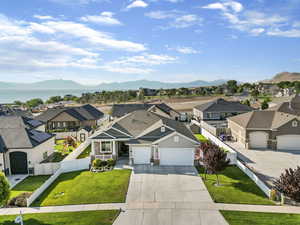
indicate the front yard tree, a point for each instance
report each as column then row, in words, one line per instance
column 4, row 189
column 214, row 159
column 264, row 105
column 289, row 183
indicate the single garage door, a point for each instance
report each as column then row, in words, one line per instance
column 258, row 139
column 18, row 162
column 288, row 142
column 141, row 155
column 177, row 156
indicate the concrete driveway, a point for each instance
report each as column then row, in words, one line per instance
column 168, row 196
column 267, row 164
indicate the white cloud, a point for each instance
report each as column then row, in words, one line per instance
column 292, row 33
column 105, row 18
column 225, row 6
column 296, row 24
column 77, row 2
column 138, row 64
column 36, row 27
column 40, row 17
column 92, row 36
column 257, row 31
column 186, row 21
column 137, row 4
column 185, row 50
column 159, row 15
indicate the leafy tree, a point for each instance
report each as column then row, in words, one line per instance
column 264, row 105
column 254, row 93
column 289, row 183
column 246, row 102
column 232, row 86
column 34, row 102
column 214, row 159
column 18, row 103
column 4, row 190
column 54, row 99
column 297, row 86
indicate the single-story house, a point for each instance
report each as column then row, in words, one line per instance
column 70, row 118
column 219, row 109
column 21, row 145
column 277, row 128
column 145, row 137
column 119, row 110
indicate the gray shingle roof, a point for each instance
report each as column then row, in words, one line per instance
column 221, row 105
column 144, row 126
column 119, row 110
column 16, row 132
column 82, row 113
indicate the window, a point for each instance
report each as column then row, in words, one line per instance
column 176, row 139
column 162, row 129
column 295, row 123
column 45, row 155
column 106, row 146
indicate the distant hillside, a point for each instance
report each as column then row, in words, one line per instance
column 285, row 76
column 133, row 85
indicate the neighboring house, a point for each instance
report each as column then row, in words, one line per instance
column 22, row 145
column 268, row 88
column 285, row 92
column 146, row 137
column 219, row 109
column 70, row 118
column 14, row 111
column 119, row 110
column 275, row 128
column 147, row 92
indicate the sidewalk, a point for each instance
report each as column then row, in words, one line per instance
column 259, row 208
column 65, row 208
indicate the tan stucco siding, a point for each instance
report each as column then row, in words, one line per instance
column 238, row 132
column 89, row 123
column 41, row 128
column 1, row 162
column 197, row 113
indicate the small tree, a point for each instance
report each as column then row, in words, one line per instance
column 4, row 190
column 289, row 183
column 264, row 105
column 214, row 160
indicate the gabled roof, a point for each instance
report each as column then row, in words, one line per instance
column 272, row 118
column 144, row 126
column 221, row 105
column 18, row 132
column 81, row 113
column 119, row 110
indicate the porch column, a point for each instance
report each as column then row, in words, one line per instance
column 114, row 149
column 93, row 147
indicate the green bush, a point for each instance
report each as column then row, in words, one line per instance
column 111, row 162
column 103, row 163
column 4, row 189
column 97, row 163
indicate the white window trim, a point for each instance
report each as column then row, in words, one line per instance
column 295, row 123
column 111, row 147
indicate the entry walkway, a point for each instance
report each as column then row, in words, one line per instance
column 15, row 179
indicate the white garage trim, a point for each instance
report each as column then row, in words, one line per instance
column 177, row 156
column 258, row 139
column 141, row 155
column 288, row 142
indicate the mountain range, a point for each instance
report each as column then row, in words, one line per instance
column 128, row 85
column 285, row 76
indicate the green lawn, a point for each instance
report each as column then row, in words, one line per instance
column 30, row 184
column 64, row 149
column 85, row 153
column 236, row 187
column 201, row 138
column 65, row 218
column 85, row 187
column 258, row 218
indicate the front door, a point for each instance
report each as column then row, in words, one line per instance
column 82, row 137
column 18, row 163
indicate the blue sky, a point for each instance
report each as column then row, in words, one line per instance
column 94, row 41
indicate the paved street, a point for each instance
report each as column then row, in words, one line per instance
column 267, row 164
column 168, row 196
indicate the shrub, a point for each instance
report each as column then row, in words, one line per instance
column 20, row 200
column 111, row 162
column 97, row 163
column 289, row 183
column 4, row 189
column 103, row 163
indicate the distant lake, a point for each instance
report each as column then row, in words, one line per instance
column 9, row 96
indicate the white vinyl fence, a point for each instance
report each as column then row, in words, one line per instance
column 46, row 168
column 78, row 150
column 231, row 154
column 63, row 135
column 65, row 167
column 253, row 177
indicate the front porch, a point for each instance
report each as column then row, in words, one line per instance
column 109, row 149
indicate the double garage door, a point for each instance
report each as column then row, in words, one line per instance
column 168, row 156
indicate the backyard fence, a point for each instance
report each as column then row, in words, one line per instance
column 78, row 150
column 63, row 135
column 65, row 167
column 231, row 153
column 254, row 177
column 46, row 168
